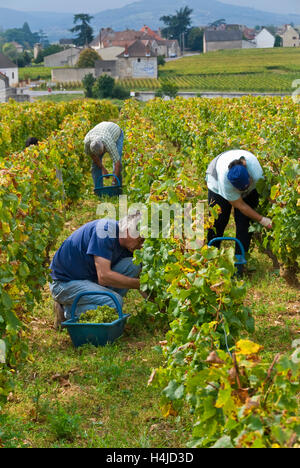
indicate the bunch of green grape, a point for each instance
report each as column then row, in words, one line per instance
column 103, row 314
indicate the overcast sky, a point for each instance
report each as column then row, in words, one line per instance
column 94, row 6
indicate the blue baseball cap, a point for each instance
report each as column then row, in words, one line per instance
column 239, row 177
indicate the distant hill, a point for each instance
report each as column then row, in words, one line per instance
column 56, row 25
column 136, row 14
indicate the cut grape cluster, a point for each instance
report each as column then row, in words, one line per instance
column 103, row 314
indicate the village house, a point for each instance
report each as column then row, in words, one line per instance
column 6, row 92
column 19, row 47
column 248, row 33
column 4, row 87
column 264, row 39
column 109, row 38
column 68, row 57
column 290, row 36
column 106, row 67
column 137, row 61
column 110, row 53
column 134, row 61
column 225, row 39
column 67, row 43
column 9, row 69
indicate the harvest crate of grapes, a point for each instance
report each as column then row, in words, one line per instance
column 110, row 190
column 97, row 334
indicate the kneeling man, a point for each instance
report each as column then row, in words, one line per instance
column 95, row 258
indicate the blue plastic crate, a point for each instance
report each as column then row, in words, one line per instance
column 97, row 334
column 240, row 259
column 110, row 190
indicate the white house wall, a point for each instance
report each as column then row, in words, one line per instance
column 2, row 91
column 264, row 40
column 12, row 74
column 137, row 67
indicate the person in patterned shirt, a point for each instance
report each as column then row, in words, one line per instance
column 106, row 137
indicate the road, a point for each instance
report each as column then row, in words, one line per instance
column 33, row 94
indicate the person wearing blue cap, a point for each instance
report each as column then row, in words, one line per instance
column 231, row 180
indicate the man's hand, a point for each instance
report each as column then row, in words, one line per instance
column 146, row 296
column 266, row 222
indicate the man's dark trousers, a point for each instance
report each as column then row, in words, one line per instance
column 242, row 222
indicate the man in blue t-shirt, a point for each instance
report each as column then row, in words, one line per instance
column 231, row 180
column 97, row 257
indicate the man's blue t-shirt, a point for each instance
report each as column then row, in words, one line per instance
column 75, row 258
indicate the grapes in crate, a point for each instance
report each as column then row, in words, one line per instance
column 103, row 314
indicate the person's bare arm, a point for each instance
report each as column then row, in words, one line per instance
column 248, row 211
column 109, row 278
column 98, row 162
column 118, row 169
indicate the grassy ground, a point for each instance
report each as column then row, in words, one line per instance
column 99, row 397
column 90, row 397
column 59, row 97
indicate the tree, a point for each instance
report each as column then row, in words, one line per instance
column 52, row 49
column 88, row 83
column 278, row 41
column 43, row 39
column 161, row 60
column 167, row 89
column 178, row 24
column 84, row 31
column 103, row 87
column 22, row 35
column 10, row 51
column 39, row 57
column 217, row 23
column 195, row 39
column 87, row 58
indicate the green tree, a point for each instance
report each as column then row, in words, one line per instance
column 217, row 23
column 23, row 36
column 10, row 51
column 87, row 58
column 83, row 30
column 161, row 60
column 88, row 83
column 39, row 57
column 177, row 24
column 278, row 41
column 103, row 87
column 195, row 39
column 167, row 89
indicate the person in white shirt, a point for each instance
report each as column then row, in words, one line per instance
column 231, row 180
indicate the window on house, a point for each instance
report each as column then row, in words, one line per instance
column 13, row 75
column 139, row 60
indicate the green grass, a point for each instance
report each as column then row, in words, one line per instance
column 101, row 393
column 59, row 97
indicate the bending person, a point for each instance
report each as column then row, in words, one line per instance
column 105, row 137
column 231, row 180
column 96, row 257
